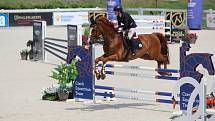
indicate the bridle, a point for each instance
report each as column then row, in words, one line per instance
column 95, row 38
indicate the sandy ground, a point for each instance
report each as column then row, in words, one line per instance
column 21, row 83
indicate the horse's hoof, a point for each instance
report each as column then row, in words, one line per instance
column 165, row 73
column 98, row 76
column 103, row 76
column 169, row 74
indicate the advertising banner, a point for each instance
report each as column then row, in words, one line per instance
column 84, row 83
column 194, row 14
column 178, row 19
column 3, row 19
column 110, row 6
column 75, row 18
column 210, row 21
column 74, row 35
column 177, row 35
column 185, row 93
column 26, row 19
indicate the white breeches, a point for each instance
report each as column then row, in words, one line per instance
column 131, row 32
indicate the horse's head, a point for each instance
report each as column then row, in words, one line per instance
column 95, row 32
column 100, row 28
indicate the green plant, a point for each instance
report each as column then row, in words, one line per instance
column 50, row 93
column 65, row 73
column 24, row 52
column 87, row 30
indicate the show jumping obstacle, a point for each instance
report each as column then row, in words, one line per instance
column 105, row 88
column 56, row 49
column 85, row 87
column 55, row 46
column 141, row 68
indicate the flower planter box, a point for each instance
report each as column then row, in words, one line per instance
column 63, row 96
column 24, row 56
column 191, row 38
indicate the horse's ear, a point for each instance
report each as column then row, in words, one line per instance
column 98, row 18
column 92, row 24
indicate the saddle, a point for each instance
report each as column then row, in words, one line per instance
column 134, row 42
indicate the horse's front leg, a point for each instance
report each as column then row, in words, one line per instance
column 96, row 70
column 105, row 60
column 103, row 76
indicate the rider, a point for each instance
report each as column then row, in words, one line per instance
column 128, row 22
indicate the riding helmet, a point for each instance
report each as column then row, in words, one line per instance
column 118, row 8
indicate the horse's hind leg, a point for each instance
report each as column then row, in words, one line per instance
column 159, row 66
column 165, row 67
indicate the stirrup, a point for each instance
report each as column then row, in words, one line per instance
column 133, row 53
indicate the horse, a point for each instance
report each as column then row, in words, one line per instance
column 154, row 46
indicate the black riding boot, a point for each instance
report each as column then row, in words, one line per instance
column 132, row 47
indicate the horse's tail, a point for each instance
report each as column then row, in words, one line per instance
column 164, row 46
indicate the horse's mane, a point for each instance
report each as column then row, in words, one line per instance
column 105, row 21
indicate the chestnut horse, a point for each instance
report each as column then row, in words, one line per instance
column 154, row 46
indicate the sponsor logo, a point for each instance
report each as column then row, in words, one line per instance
column 58, row 18
column 191, row 3
column 64, row 18
column 19, row 17
column 37, row 24
column 210, row 19
column 67, row 18
column 2, row 21
column 72, row 28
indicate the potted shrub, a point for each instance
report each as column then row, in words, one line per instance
column 50, row 93
column 24, row 54
column 65, row 74
column 191, row 38
column 30, row 44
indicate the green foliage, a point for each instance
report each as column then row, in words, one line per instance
column 24, row 4
column 65, row 73
column 24, row 51
column 50, row 93
column 86, row 31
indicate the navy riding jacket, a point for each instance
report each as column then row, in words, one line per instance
column 127, row 21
